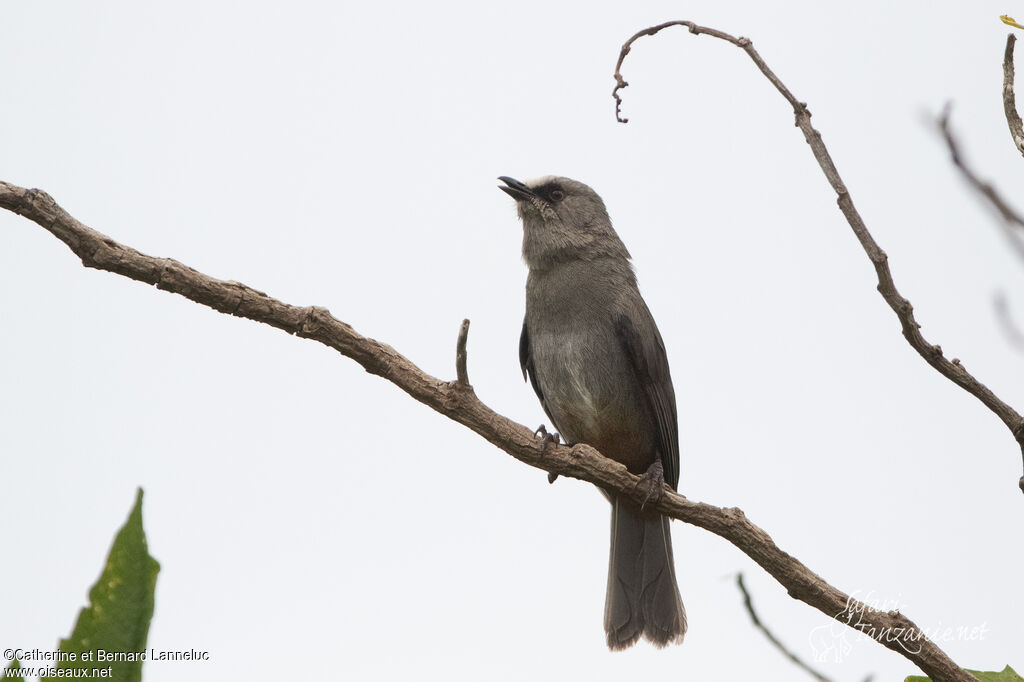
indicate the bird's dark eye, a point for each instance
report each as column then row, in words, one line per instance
column 557, row 195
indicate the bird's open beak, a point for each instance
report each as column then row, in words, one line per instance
column 516, row 189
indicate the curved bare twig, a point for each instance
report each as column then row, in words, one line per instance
column 932, row 354
column 1011, row 331
column 1011, row 219
column 1009, row 99
column 458, row 401
column 776, row 642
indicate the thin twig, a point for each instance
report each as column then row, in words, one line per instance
column 1016, row 126
column 1011, row 219
column 1009, row 99
column 460, row 355
column 892, row 629
column 932, row 354
column 1010, row 329
column 771, row 637
column 1010, row 223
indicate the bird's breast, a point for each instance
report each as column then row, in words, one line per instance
column 588, row 386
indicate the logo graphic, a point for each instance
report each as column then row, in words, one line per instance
column 830, row 643
column 872, row 618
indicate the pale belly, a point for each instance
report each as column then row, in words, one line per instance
column 593, row 396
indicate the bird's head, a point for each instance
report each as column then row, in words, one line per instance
column 562, row 220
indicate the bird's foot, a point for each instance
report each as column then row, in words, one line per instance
column 542, row 432
column 655, row 478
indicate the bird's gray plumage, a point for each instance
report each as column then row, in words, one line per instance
column 596, row 360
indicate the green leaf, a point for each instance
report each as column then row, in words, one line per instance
column 15, row 665
column 121, row 606
column 1007, row 674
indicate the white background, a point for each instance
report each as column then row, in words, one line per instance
column 311, row 519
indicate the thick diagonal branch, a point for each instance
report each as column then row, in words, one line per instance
column 932, row 354
column 458, row 401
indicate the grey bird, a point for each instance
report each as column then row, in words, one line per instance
column 595, row 358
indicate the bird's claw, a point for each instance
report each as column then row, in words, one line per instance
column 542, row 432
column 655, row 477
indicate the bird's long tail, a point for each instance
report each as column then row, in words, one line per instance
column 643, row 597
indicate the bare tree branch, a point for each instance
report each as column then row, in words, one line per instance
column 1011, row 219
column 458, row 401
column 1010, row 329
column 932, row 354
column 1009, row 99
column 460, row 354
column 1016, row 126
column 749, row 604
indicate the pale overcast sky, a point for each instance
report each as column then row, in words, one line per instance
column 312, row 520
